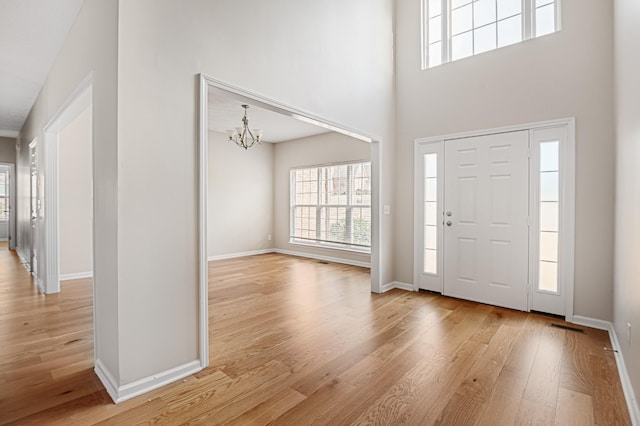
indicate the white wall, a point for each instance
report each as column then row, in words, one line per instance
column 321, row 149
column 565, row 74
column 75, row 208
column 91, row 46
column 627, row 268
column 332, row 58
column 240, row 197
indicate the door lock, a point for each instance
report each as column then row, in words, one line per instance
column 448, row 223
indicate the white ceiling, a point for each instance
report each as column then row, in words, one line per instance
column 225, row 113
column 32, row 33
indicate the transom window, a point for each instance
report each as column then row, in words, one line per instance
column 456, row 29
column 331, row 205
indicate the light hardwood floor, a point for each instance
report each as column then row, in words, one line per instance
column 297, row 341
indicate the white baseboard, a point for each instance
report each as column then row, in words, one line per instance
column 591, row 322
column 325, row 258
column 4, row 239
column 124, row 392
column 39, row 282
column 397, row 284
column 107, row 380
column 23, row 259
column 388, row 286
column 241, row 254
column 76, row 276
column 404, row 286
column 627, row 387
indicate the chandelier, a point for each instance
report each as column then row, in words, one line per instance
column 243, row 136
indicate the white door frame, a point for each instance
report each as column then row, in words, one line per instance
column 567, row 218
column 79, row 100
column 34, row 228
column 11, row 226
column 207, row 83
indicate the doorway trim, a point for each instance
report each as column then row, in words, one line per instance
column 80, row 99
column 567, row 239
column 205, row 83
column 11, row 225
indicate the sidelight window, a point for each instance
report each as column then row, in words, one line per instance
column 549, row 214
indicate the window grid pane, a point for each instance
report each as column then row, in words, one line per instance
column 510, row 31
column 462, row 20
column 545, row 19
column 435, row 29
column 435, row 54
column 508, row 8
column 435, row 8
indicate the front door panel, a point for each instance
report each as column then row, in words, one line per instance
column 486, row 199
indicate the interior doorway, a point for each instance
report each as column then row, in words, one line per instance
column 7, row 202
column 34, row 211
column 79, row 104
column 206, row 85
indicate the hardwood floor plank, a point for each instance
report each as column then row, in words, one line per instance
column 395, row 404
column 574, row 409
column 270, row 409
column 541, row 392
column 504, row 402
column 440, row 390
column 473, row 393
column 608, row 409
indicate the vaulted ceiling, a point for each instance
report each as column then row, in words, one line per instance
column 32, row 32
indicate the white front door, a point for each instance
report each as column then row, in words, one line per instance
column 494, row 216
column 486, row 198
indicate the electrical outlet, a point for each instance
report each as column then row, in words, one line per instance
column 269, row 237
column 629, row 333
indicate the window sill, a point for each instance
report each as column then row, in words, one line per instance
column 334, row 247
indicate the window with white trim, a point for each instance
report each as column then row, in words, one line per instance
column 456, row 29
column 331, row 206
column 4, row 195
